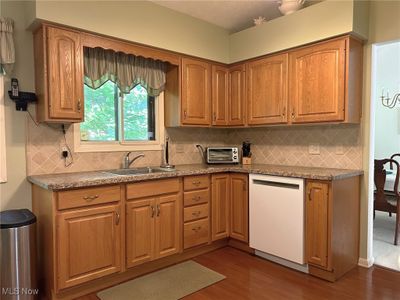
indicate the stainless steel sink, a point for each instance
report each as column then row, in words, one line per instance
column 138, row 171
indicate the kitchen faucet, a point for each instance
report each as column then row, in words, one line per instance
column 128, row 162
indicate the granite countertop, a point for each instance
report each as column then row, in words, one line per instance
column 65, row 181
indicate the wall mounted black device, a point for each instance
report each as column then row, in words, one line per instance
column 21, row 99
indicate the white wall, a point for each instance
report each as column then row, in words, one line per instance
column 387, row 121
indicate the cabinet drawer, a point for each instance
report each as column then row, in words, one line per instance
column 196, row 182
column 88, row 196
column 195, row 233
column 195, row 197
column 152, row 188
column 195, row 212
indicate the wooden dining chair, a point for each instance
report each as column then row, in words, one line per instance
column 383, row 201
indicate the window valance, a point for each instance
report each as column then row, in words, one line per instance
column 126, row 70
column 7, row 51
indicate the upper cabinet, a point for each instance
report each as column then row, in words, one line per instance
column 196, row 92
column 58, row 75
column 267, row 90
column 228, row 96
column 326, row 82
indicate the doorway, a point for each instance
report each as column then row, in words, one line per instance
column 385, row 126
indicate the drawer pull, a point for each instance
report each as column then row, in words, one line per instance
column 90, row 198
column 196, row 183
column 196, row 229
column 196, row 213
column 197, row 198
column 153, row 211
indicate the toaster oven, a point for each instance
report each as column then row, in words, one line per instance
column 222, row 155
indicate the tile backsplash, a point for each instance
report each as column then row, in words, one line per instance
column 339, row 147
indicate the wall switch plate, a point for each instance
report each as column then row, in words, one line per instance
column 339, row 150
column 180, row 148
column 313, row 149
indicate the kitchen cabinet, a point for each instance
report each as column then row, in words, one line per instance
column 220, row 95
column 88, row 244
column 196, row 92
column 153, row 220
column 267, row 90
column 196, row 196
column 220, row 188
column 332, row 226
column 239, row 207
column 58, row 74
column 325, row 82
column 228, row 95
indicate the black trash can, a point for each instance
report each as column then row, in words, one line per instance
column 18, row 255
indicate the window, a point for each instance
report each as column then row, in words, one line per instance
column 116, row 121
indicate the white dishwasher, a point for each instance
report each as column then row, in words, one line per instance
column 276, row 218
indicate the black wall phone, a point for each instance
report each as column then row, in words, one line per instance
column 21, row 99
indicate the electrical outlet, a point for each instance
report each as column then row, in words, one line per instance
column 339, row 150
column 313, row 149
column 64, row 152
column 180, row 148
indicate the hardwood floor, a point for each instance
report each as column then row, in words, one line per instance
column 250, row 277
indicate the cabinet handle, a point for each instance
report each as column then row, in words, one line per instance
column 153, row 211
column 196, row 213
column 284, row 112
column 214, row 116
column 197, row 198
column 90, row 198
column 117, row 218
column 158, row 210
column 310, row 195
column 292, row 114
column 79, row 104
column 196, row 229
column 196, row 183
column 184, row 114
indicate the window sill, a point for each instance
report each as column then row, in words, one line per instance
column 105, row 147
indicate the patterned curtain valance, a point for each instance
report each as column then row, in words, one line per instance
column 126, row 70
column 7, row 51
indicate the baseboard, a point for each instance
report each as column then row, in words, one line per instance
column 366, row 262
column 283, row 262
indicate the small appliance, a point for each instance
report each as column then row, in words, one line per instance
column 222, row 155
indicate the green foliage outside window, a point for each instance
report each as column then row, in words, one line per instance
column 103, row 114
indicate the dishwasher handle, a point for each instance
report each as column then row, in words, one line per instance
column 277, row 184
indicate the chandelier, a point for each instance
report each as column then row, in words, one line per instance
column 391, row 103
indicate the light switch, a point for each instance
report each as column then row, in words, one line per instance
column 313, row 149
column 180, row 148
column 339, row 150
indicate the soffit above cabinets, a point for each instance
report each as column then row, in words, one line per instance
column 233, row 15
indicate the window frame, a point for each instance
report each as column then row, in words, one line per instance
column 115, row 146
column 3, row 161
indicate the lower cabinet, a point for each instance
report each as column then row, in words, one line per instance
column 88, row 244
column 153, row 225
column 332, row 226
column 229, row 209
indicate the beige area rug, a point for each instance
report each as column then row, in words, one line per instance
column 386, row 254
column 168, row 284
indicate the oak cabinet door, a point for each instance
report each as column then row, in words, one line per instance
column 65, row 74
column 317, row 223
column 220, row 95
column 220, row 206
column 168, row 225
column 237, row 96
column 267, row 90
column 140, row 220
column 196, row 92
column 88, row 244
column 239, row 228
column 317, row 82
